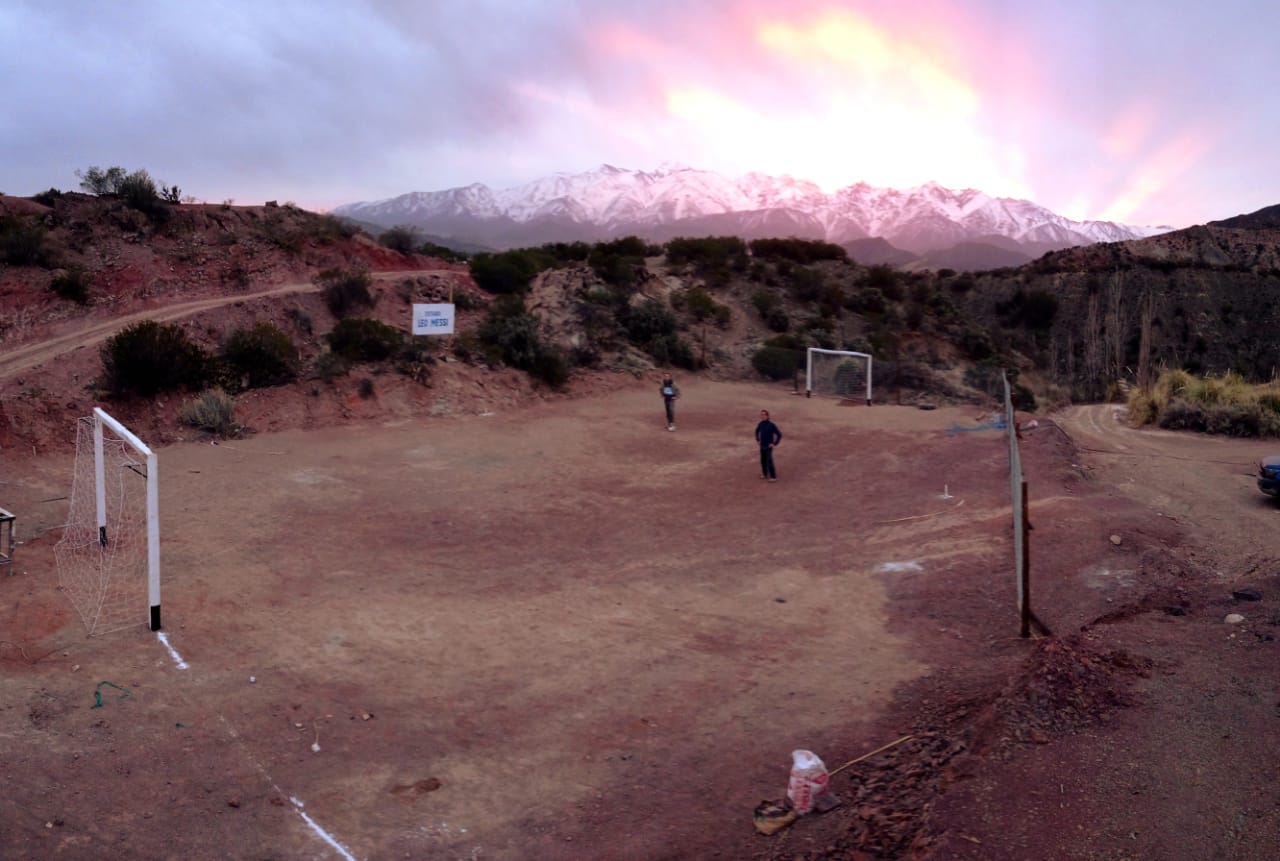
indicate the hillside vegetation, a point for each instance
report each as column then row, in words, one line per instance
column 1077, row 324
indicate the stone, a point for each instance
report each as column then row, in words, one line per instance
column 1116, row 539
column 1233, row 619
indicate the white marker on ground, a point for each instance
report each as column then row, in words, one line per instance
column 324, row 835
column 177, row 659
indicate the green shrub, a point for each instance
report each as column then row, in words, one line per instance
column 807, row 284
column 550, row 367
column 671, row 349
column 509, row 271
column 802, row 251
column 213, row 411
column 765, row 301
column 365, row 388
column 263, row 355
column 777, row 320
column 402, row 238
column 512, row 333
column 363, row 340
column 138, row 191
column 47, row 198
column 345, row 290
column 648, row 320
column 148, row 358
column 73, row 285
column 868, row 300
column 331, row 365
column 22, row 242
column 777, row 363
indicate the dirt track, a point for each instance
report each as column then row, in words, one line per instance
column 78, row 335
column 1207, row 483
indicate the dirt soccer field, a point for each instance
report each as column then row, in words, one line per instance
column 562, row 632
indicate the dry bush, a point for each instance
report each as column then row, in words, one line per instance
column 213, row 411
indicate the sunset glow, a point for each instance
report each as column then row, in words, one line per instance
column 1085, row 109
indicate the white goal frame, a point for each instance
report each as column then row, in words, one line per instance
column 808, row 370
column 102, row 421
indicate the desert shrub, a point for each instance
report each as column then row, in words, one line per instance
column 345, row 290
column 765, row 301
column 148, row 358
column 510, row 334
column 1143, row 409
column 47, row 197
column 262, row 355
column 212, row 411
column 807, row 284
column 331, row 365
column 1032, row 310
column 72, row 284
column 509, row 271
column 363, row 340
column 402, row 238
column 443, row 252
column 777, row 363
column 801, row 251
column 671, row 349
column 886, row 279
column 977, row 344
column 328, row 229
column 702, row 307
column 22, row 242
column 962, row 284
column 777, row 320
column 138, row 191
column 465, row 300
column 550, row 367
column 867, row 300
column 365, row 388
column 648, row 320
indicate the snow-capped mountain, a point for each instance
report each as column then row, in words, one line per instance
column 674, row 200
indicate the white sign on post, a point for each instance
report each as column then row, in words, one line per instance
column 433, row 319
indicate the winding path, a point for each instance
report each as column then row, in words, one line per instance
column 27, row 356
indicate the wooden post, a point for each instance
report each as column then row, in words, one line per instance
column 1025, row 574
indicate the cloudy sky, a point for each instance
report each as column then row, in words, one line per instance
column 1144, row 112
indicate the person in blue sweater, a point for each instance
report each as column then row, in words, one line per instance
column 669, row 392
column 768, row 436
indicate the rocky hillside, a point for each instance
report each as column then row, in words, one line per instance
column 76, row 269
column 1210, row 294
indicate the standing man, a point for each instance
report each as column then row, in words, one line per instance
column 768, row 436
column 669, row 394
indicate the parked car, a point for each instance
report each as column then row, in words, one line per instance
column 1269, row 475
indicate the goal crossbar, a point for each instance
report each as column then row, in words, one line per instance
column 818, row 351
column 101, row 419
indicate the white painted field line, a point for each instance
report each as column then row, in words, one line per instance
column 177, row 659
column 324, row 835
column 297, row 803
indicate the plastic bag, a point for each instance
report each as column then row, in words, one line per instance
column 809, row 779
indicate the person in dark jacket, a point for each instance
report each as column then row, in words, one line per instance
column 669, row 394
column 768, row 436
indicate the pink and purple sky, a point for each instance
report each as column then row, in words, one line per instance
column 1141, row 112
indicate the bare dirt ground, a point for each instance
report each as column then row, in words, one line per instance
column 559, row 631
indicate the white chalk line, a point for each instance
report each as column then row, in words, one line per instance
column 298, row 805
column 177, row 659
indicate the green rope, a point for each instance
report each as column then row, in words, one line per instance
column 97, row 694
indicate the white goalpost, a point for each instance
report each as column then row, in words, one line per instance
column 839, row 373
column 110, row 545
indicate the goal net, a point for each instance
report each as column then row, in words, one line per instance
column 838, row 373
column 109, row 555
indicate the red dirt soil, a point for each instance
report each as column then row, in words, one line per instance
column 575, row 635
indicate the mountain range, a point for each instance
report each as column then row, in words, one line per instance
column 927, row 222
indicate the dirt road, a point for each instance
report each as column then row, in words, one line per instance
column 1206, row 482
column 78, row 334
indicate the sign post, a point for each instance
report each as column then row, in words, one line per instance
column 434, row 319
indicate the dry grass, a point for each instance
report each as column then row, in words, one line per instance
column 1226, row 404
